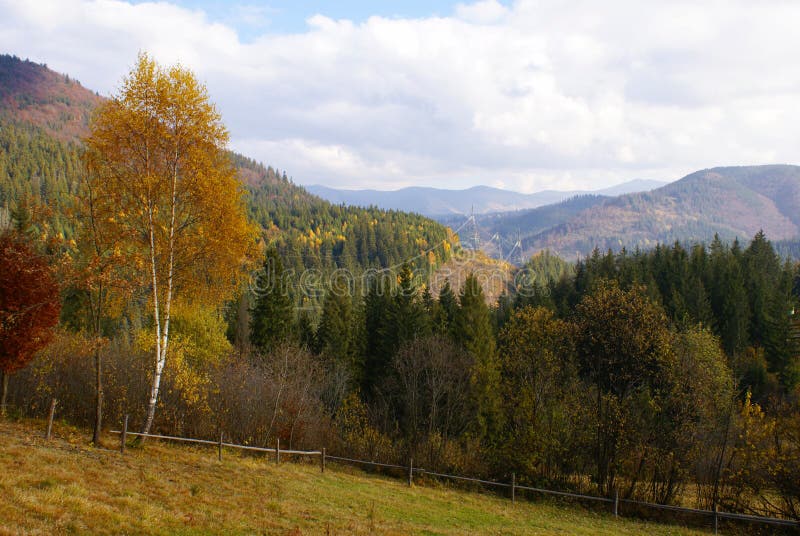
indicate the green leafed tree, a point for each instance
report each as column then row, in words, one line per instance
column 623, row 348
column 537, row 365
column 408, row 316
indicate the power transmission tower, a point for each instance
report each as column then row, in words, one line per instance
column 476, row 239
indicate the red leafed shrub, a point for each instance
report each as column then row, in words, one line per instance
column 29, row 303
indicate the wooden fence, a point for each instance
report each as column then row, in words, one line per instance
column 409, row 470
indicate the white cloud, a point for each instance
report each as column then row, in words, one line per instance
column 252, row 15
column 537, row 95
column 482, row 12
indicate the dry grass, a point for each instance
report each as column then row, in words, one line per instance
column 65, row 486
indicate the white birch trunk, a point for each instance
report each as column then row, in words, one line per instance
column 160, row 355
column 162, row 334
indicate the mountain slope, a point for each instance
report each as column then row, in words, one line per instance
column 731, row 201
column 43, row 116
column 30, row 93
column 442, row 203
column 499, row 232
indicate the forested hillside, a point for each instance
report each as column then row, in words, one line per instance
column 43, row 115
column 670, row 375
column 310, row 232
column 745, row 295
column 731, row 202
column 30, row 93
column 499, row 231
column 37, row 170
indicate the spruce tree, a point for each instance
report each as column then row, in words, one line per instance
column 729, row 296
column 306, row 334
column 408, row 316
column 334, row 335
column 762, row 274
column 377, row 303
column 780, row 346
column 447, row 310
column 272, row 315
column 474, row 331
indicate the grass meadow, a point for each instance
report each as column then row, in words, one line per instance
column 66, row 486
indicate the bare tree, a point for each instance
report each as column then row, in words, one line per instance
column 430, row 389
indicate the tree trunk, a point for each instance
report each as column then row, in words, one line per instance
column 4, row 396
column 151, row 403
column 98, row 410
column 600, row 457
column 97, row 316
column 154, row 388
column 162, row 335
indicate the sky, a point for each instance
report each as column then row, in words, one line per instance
column 525, row 95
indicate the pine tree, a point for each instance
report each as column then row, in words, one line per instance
column 335, row 332
column 698, row 299
column 306, row 334
column 781, row 350
column 376, row 356
column 729, row 296
column 448, row 309
column 474, row 331
column 272, row 315
column 394, row 315
column 762, row 274
column 408, row 316
column 698, row 304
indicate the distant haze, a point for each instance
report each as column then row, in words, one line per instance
column 437, row 202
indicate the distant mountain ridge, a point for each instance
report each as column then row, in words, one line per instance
column 438, row 202
column 734, row 202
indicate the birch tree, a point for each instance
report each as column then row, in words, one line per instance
column 156, row 150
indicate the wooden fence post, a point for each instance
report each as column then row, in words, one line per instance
column 410, row 471
column 716, row 519
column 513, row 488
column 124, row 437
column 322, row 460
column 278, row 451
column 616, row 502
column 219, row 448
column 50, row 419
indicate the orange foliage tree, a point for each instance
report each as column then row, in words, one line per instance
column 99, row 275
column 170, row 193
column 29, row 305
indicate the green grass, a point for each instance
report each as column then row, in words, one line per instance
column 65, row 486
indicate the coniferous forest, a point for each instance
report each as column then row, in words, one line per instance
column 201, row 291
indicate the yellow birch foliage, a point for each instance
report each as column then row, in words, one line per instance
column 159, row 145
column 170, row 192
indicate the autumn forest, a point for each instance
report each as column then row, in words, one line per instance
column 149, row 271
